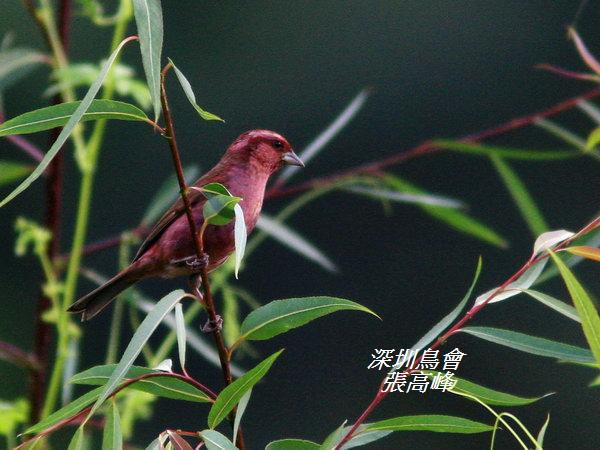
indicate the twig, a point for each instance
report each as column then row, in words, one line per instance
column 18, row 357
column 532, row 261
column 209, row 303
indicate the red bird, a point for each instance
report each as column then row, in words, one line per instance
column 168, row 251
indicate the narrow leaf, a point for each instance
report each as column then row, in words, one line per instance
column 178, row 442
column 78, row 440
column 520, row 194
column 241, row 408
column 231, row 395
column 327, row 135
column 216, row 441
column 112, row 439
column 454, row 218
column 592, row 253
column 542, row 434
column 531, row 344
column 68, row 128
column 590, row 321
column 11, row 171
column 449, row 318
column 593, row 139
column 240, row 236
column 167, row 194
column 362, row 437
column 506, row 153
column 436, row 423
column 181, row 334
column 189, row 93
column 555, row 304
column 550, row 239
column 292, row 444
column 334, row 437
column 418, row 199
column 139, row 339
column 149, row 21
column 59, row 115
column 16, row 63
column 167, row 386
column 291, row 239
column 280, row 316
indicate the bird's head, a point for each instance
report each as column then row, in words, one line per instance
column 265, row 148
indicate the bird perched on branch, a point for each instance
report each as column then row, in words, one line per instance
column 169, row 251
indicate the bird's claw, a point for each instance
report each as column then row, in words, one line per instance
column 213, row 325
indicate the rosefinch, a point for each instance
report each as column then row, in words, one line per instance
column 168, row 251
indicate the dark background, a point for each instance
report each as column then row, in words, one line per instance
column 439, row 69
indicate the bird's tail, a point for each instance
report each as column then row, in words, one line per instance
column 94, row 302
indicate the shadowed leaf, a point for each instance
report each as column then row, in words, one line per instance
column 418, row 199
column 292, row 444
column 216, row 441
column 506, row 153
column 555, row 304
column 436, row 423
column 17, row 63
column 112, row 438
column 11, row 171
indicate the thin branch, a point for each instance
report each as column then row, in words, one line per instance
column 18, row 357
column 209, row 303
column 472, row 312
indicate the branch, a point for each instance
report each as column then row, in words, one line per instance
column 209, row 303
column 472, row 312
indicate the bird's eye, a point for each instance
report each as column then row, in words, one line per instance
column 277, row 144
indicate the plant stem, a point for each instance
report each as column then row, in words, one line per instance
column 196, row 239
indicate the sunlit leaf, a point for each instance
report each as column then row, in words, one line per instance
column 593, row 139
column 168, row 387
column 590, row 320
column 542, row 434
column 13, row 414
column 455, row 219
column 531, row 344
column 521, row 196
column 58, row 115
column 550, row 239
column 280, row 316
column 241, row 408
column 449, row 318
column 436, row 423
column 189, row 93
column 585, row 252
column 505, row 153
column 139, row 339
column 282, row 233
column 585, row 54
column 149, row 21
column 216, row 441
column 11, row 171
column 231, row 395
column 240, row 236
column 292, row 444
column 181, row 333
column 112, row 439
column 68, row 128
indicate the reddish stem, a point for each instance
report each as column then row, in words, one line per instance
column 533, row 260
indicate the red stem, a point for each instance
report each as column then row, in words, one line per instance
column 533, row 260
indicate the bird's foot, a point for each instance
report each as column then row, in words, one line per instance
column 213, row 325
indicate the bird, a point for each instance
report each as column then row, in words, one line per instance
column 168, row 251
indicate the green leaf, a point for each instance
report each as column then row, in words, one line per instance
column 487, row 395
column 593, row 139
column 590, row 321
column 112, row 438
column 189, row 93
column 68, row 128
column 78, row 440
column 58, row 115
column 11, row 171
column 449, row 318
column 282, row 233
column 327, row 135
column 334, row 437
column 231, row 321
column 12, row 414
column 242, row 405
column 584, row 251
column 395, row 196
column 181, row 333
column 163, row 386
column 292, row 444
column 149, row 21
column 531, row 344
column 240, row 236
column 16, row 63
column 362, row 437
column 280, row 316
column 219, row 206
column 436, row 423
column 66, row 411
column 555, row 304
column 454, row 218
column 231, row 395
column 522, row 198
column 139, row 339
column 542, row 433
column 216, row 441
column 167, row 194
column 505, row 153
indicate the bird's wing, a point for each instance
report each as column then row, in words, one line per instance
column 168, row 218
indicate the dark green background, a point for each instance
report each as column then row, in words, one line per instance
column 439, row 69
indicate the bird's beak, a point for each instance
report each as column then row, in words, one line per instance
column 291, row 159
